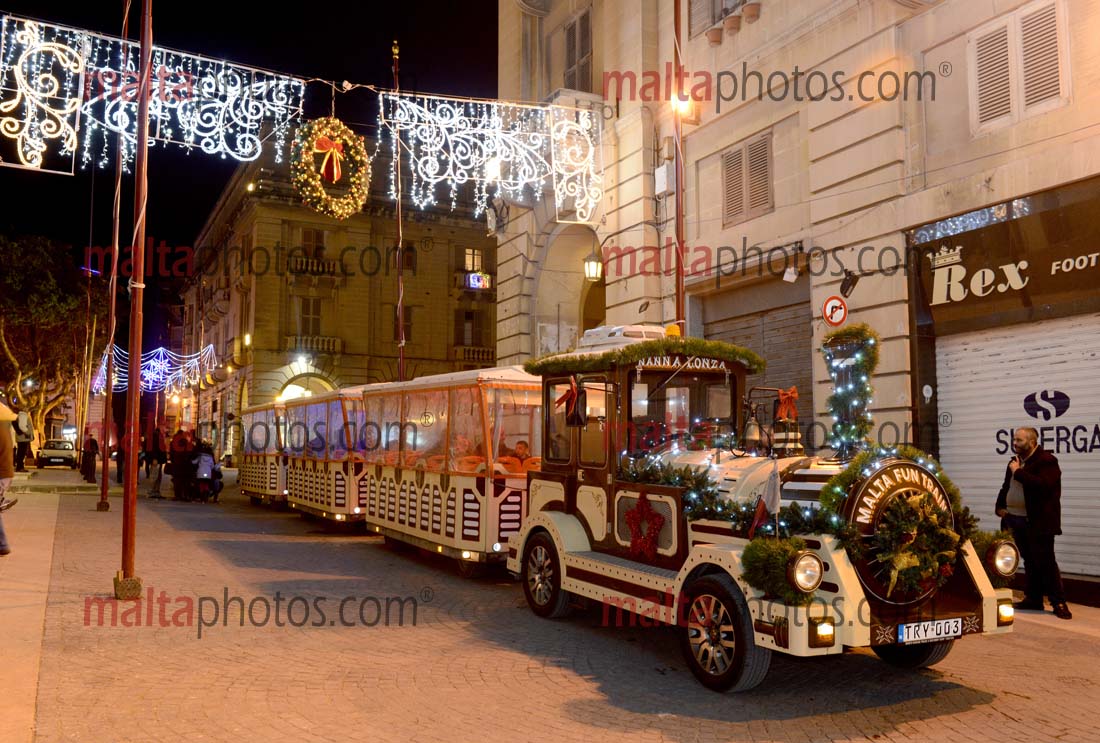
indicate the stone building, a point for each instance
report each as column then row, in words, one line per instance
column 295, row 302
column 933, row 163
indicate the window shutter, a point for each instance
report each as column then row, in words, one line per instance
column 994, row 94
column 759, row 174
column 700, row 16
column 1039, row 52
column 733, row 186
column 571, row 56
column 460, row 327
column 584, row 52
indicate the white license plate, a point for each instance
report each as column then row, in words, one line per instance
column 933, row 631
column 56, row 460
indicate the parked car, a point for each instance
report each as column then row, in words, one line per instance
column 55, row 452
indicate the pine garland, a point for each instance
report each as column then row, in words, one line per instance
column 916, row 544
column 849, row 402
column 558, row 363
column 701, row 499
column 765, row 568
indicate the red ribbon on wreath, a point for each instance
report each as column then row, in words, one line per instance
column 644, row 544
column 569, row 397
column 787, row 409
column 333, row 152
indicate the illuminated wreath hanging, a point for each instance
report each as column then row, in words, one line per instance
column 343, row 162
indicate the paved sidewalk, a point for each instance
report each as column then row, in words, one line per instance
column 477, row 665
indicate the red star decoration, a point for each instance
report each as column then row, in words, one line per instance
column 644, row 544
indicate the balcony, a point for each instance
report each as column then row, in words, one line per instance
column 475, row 354
column 314, row 344
column 302, row 265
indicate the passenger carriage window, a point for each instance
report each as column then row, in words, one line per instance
column 595, row 432
column 467, row 454
column 357, row 421
column 558, row 441
column 318, row 430
column 515, row 428
column 297, row 430
column 370, row 438
column 389, row 435
column 424, row 438
column 337, row 431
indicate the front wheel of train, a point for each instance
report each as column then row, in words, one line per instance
column 542, row 578
column 914, row 656
column 716, row 636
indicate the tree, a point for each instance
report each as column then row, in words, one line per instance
column 44, row 322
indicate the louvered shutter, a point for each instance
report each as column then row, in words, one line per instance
column 759, row 174
column 733, row 186
column 700, row 16
column 1040, row 60
column 571, row 56
column 994, row 86
column 584, row 52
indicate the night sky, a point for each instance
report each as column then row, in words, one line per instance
column 446, row 47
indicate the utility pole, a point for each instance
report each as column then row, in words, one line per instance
column 678, row 119
column 127, row 585
column 400, row 233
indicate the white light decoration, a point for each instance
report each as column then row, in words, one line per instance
column 64, row 89
column 161, row 369
column 518, row 150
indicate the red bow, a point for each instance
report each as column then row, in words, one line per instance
column 333, row 152
column 787, row 399
column 569, row 397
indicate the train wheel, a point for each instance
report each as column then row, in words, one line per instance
column 717, row 636
column 914, row 656
column 542, row 578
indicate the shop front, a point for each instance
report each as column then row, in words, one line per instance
column 1006, row 329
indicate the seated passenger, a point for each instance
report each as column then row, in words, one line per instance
column 522, row 450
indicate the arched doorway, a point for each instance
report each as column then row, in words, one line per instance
column 305, row 385
column 566, row 304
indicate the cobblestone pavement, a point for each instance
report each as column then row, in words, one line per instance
column 477, row 665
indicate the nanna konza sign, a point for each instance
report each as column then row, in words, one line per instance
column 694, row 363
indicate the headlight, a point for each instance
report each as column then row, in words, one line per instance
column 804, row 571
column 1004, row 558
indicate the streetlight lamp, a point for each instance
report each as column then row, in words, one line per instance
column 593, row 266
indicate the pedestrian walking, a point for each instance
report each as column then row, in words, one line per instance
column 8, row 447
column 1030, row 506
column 88, row 456
column 24, row 435
column 157, row 454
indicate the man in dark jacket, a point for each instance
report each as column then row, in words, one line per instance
column 1029, row 505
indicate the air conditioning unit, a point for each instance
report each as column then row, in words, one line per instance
column 664, row 178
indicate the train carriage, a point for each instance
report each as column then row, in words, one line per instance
column 604, row 523
column 262, row 474
column 324, row 448
column 447, row 460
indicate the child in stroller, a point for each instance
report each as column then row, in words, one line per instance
column 208, row 473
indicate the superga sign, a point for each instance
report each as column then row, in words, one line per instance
column 678, row 362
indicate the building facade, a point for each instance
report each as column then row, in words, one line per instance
column 932, row 163
column 295, row 302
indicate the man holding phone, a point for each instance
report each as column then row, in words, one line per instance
column 1029, row 505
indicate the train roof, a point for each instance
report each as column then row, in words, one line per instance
column 605, row 347
column 505, row 375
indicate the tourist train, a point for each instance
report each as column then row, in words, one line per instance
column 635, row 472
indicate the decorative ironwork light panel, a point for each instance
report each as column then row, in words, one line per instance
column 501, row 149
column 65, row 91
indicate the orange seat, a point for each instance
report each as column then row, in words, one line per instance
column 532, row 464
column 470, row 464
column 389, row 458
column 436, row 462
column 512, row 464
column 411, row 457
